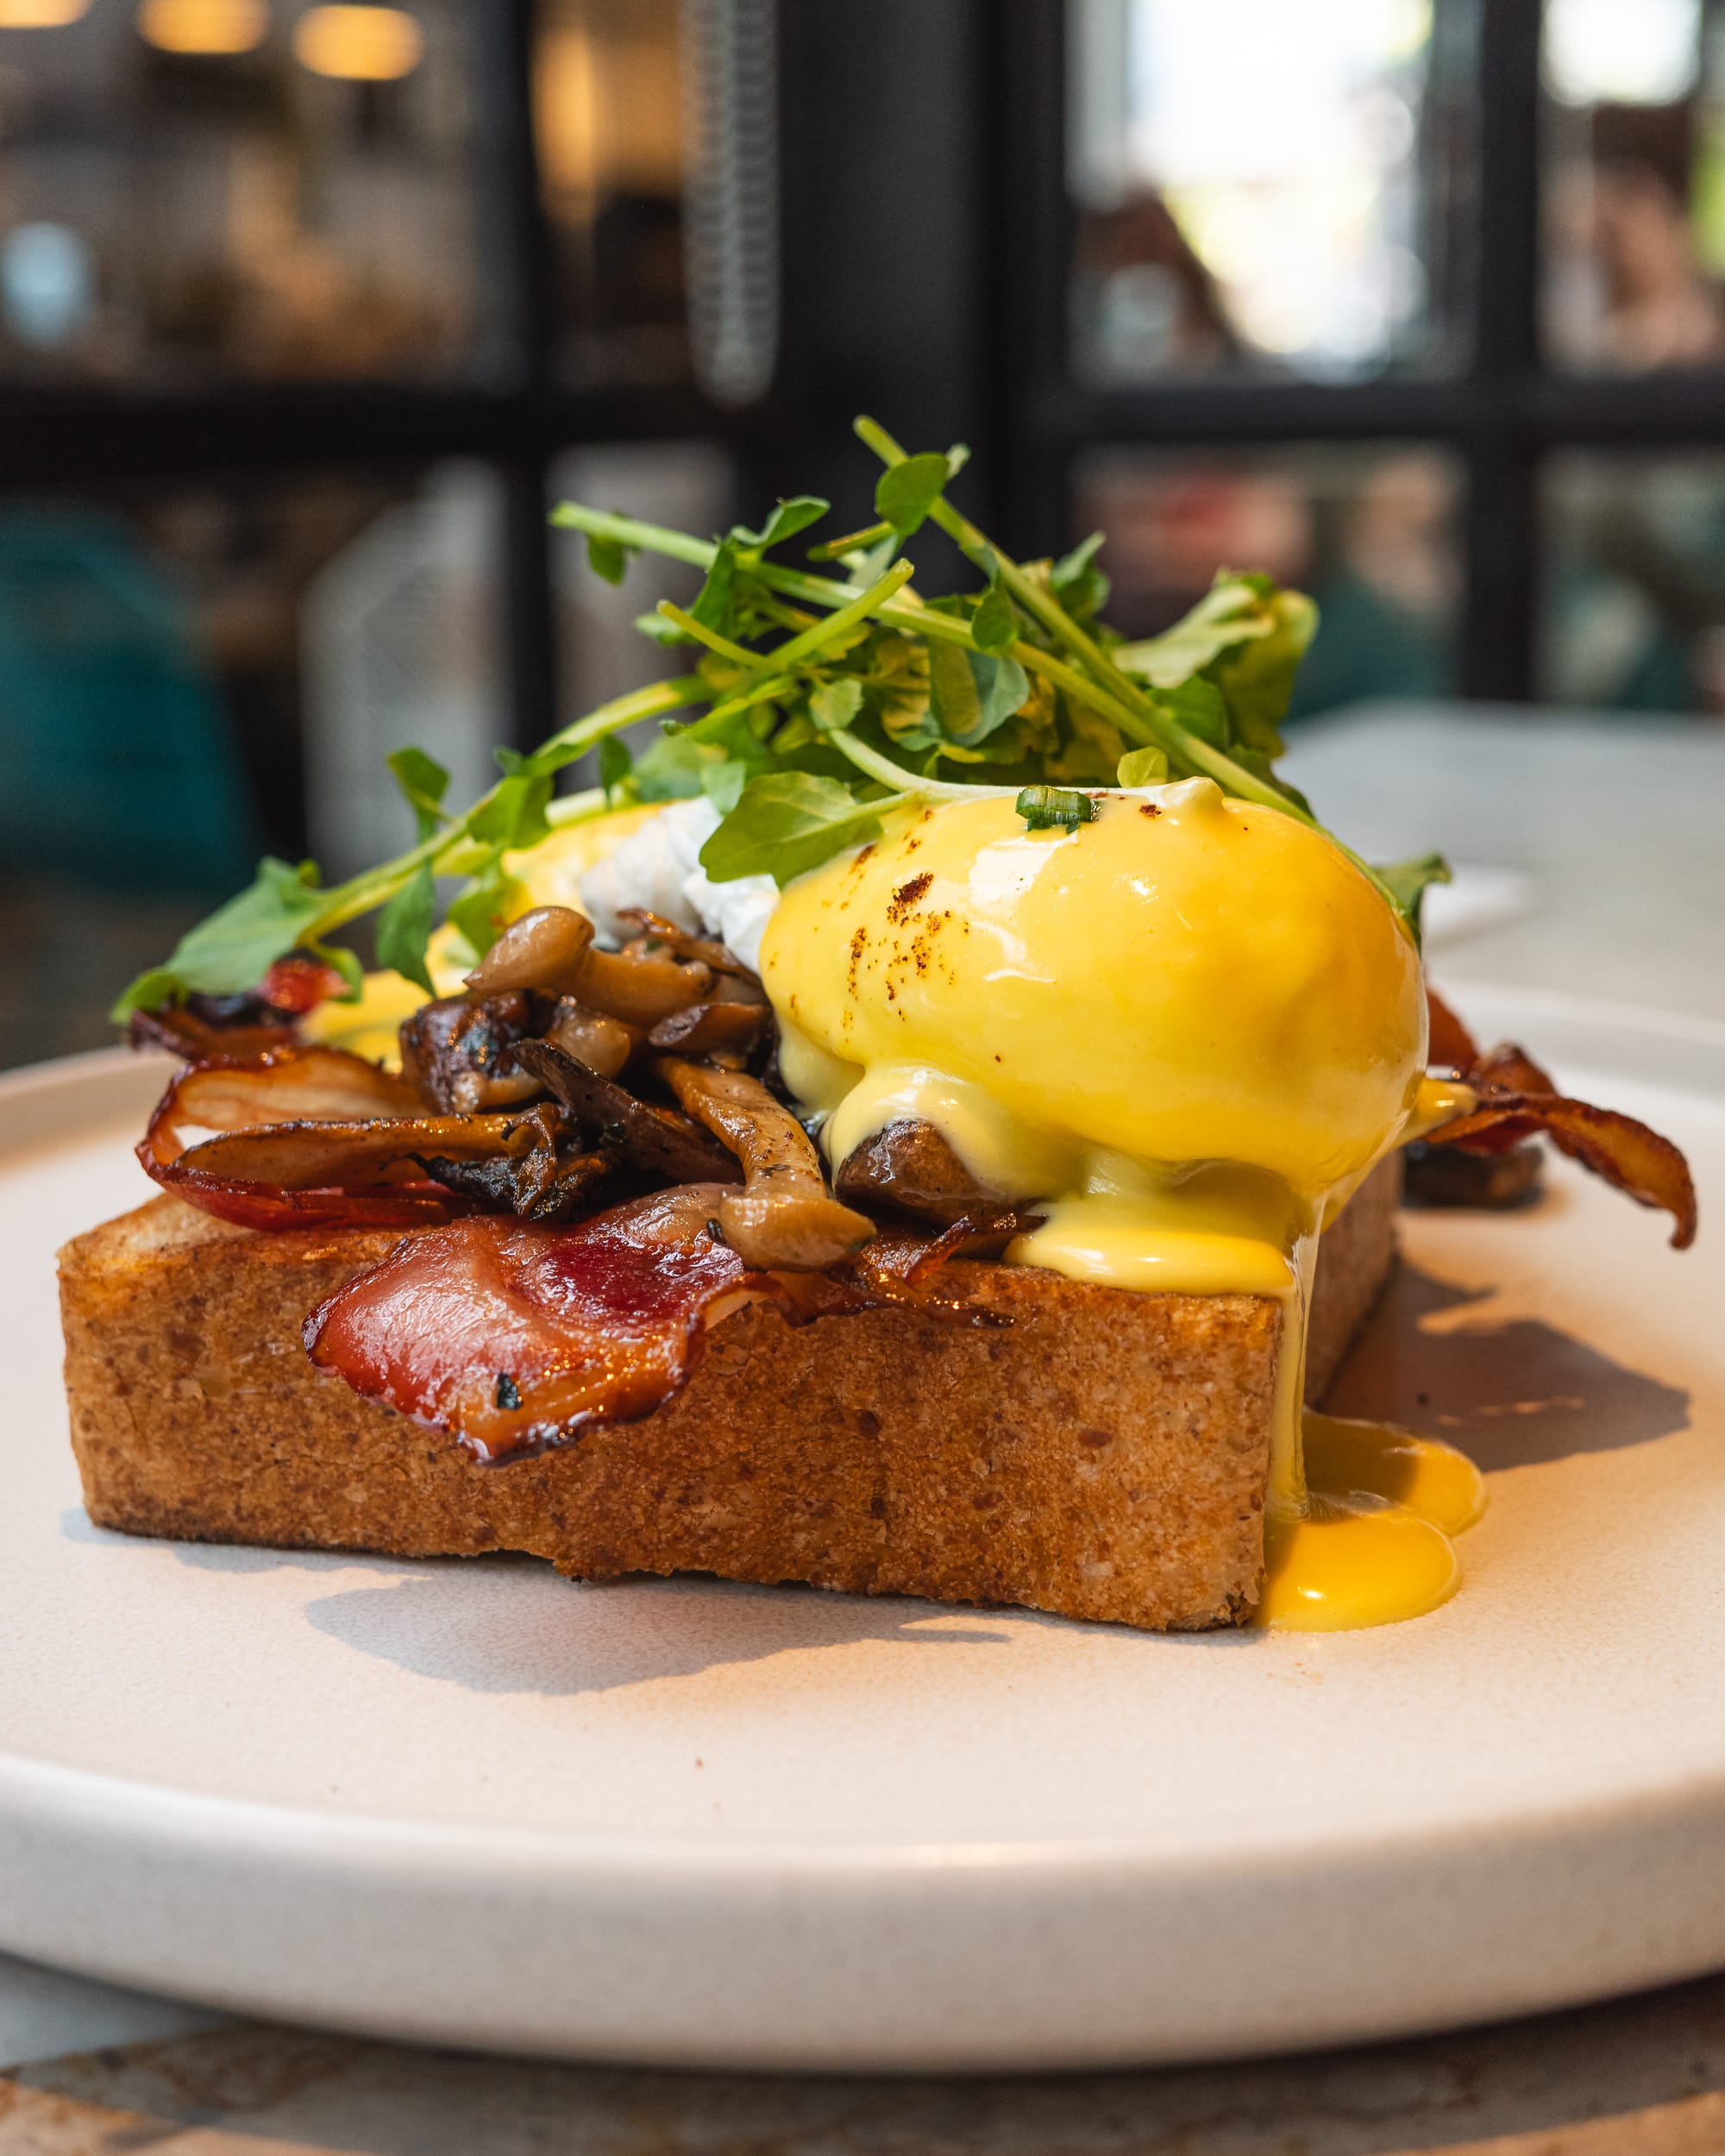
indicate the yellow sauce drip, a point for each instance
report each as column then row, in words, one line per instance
column 1371, row 1543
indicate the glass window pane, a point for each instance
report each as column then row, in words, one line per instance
column 609, row 112
column 194, row 673
column 1634, row 597
column 1266, row 188
column 193, row 187
column 1370, row 533
column 1634, row 156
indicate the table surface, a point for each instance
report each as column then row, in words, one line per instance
column 1589, row 862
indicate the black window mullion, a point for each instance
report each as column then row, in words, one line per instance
column 521, row 360
column 1501, row 594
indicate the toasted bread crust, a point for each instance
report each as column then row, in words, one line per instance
column 1103, row 1455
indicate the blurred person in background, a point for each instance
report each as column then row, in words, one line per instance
column 1372, row 544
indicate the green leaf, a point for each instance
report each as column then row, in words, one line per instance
column 672, row 769
column 835, row 704
column 1051, row 807
column 405, row 926
column 995, row 623
column 1230, row 612
column 345, row 962
column 1257, row 679
column 973, row 691
column 608, row 558
column 1258, row 761
column 479, row 914
column 1200, row 709
column 785, row 824
column 716, row 600
column 787, row 519
column 1081, row 588
column 908, row 491
column 149, row 991
column 424, row 782
column 234, row 948
column 615, row 764
column 1411, row 879
column 659, row 630
column 723, row 784
column 515, row 816
column 1143, row 767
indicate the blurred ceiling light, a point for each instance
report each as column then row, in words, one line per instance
column 48, row 284
column 358, row 44
column 1622, row 52
column 40, row 14
column 212, row 27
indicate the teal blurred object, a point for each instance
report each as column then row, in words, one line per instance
column 117, row 765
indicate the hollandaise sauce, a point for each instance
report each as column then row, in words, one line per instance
column 1183, row 1033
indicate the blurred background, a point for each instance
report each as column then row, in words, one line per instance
column 309, row 312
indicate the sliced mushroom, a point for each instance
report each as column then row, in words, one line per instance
column 785, row 1218
column 654, row 929
column 536, row 1186
column 655, row 1140
column 603, row 1044
column 639, row 987
column 908, row 1167
column 709, row 1029
column 457, row 1051
column 542, row 949
column 304, row 1156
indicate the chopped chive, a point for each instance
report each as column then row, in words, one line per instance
column 1046, row 807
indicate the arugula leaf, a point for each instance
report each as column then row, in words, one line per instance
column 785, row 822
column 786, row 520
column 236, row 947
column 715, row 602
column 1257, row 679
column 973, row 693
column 1411, row 879
column 615, row 764
column 835, row 704
column 1081, row 588
column 343, row 962
column 1143, row 767
column 723, row 784
column 995, row 623
column 1258, row 763
column 405, row 926
column 906, row 493
column 423, row 782
column 515, row 818
column 1230, row 612
column 481, row 911
column 672, row 769
column 1199, row 706
column 608, row 558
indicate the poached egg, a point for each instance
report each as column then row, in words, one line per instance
column 1183, row 1031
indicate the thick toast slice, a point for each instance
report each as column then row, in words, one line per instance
column 1102, row 1456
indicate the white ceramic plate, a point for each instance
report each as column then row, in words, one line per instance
column 689, row 1822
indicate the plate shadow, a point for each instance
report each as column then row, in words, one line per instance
column 569, row 1637
column 1512, row 1394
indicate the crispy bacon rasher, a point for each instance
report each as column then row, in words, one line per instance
column 298, row 1103
column 515, row 1337
column 1515, row 1100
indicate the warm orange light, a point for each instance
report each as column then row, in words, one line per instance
column 40, row 14
column 204, row 26
column 358, row 44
